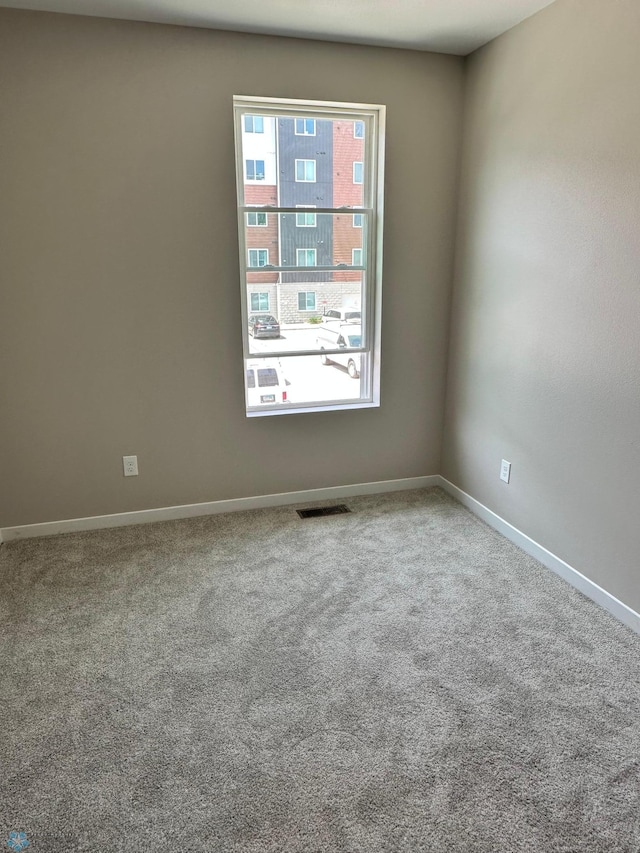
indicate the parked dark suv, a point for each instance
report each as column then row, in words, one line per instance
column 264, row 326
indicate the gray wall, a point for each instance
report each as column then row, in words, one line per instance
column 545, row 353
column 119, row 277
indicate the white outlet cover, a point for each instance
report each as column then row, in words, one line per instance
column 505, row 471
column 130, row 466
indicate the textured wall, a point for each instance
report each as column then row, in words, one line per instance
column 545, row 355
column 120, row 293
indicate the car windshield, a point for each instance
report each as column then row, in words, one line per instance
column 267, row 376
column 355, row 340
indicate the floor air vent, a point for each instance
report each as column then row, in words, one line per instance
column 323, row 510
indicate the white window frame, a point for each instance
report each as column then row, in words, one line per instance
column 259, row 293
column 253, row 124
column 308, row 293
column 306, row 251
column 257, row 224
column 257, row 266
column 354, row 262
column 304, row 127
column 306, row 180
column 254, row 160
column 367, row 389
column 355, row 165
column 306, row 214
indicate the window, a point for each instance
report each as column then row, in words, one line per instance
column 305, row 220
column 305, row 127
column 255, row 170
column 255, row 219
column 299, row 269
column 253, row 124
column 305, row 257
column 306, row 171
column 258, row 257
column 306, row 301
column 259, row 301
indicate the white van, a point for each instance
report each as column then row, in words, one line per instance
column 265, row 383
column 343, row 335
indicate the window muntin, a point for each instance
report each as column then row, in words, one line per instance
column 253, row 124
column 358, row 173
column 254, row 170
column 334, row 281
column 259, row 302
column 258, row 257
column 258, row 219
column 306, row 300
column 305, row 127
column 306, row 171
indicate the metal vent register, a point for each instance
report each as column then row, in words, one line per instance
column 323, row 510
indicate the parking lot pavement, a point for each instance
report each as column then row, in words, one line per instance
column 308, row 380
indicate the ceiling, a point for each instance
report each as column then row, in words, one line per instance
column 444, row 26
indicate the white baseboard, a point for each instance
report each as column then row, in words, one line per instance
column 596, row 593
column 145, row 516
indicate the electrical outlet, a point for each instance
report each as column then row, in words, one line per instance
column 130, row 465
column 505, row 471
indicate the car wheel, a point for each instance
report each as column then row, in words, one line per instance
column 353, row 370
column 323, row 358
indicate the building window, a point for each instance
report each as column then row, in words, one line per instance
column 259, row 301
column 255, row 219
column 302, row 274
column 254, row 124
column 306, row 300
column 306, row 171
column 305, row 257
column 305, row 127
column 254, row 170
column 305, row 220
column 258, row 257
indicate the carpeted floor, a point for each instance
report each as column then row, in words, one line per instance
column 396, row 679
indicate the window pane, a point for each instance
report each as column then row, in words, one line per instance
column 258, row 257
column 292, row 313
column 323, row 156
column 259, row 301
column 358, row 129
column 306, row 257
column 309, row 379
column 358, row 173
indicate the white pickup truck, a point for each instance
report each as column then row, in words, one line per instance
column 344, row 336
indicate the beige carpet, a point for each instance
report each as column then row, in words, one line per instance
column 397, row 679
